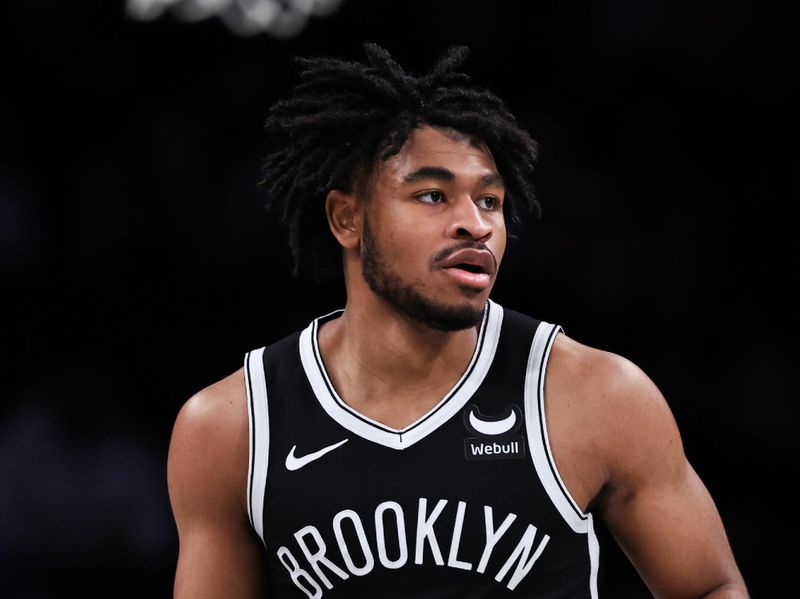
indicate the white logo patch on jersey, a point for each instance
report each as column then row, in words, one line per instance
column 493, row 440
column 295, row 463
column 492, row 427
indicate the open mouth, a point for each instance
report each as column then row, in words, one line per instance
column 470, row 268
column 469, row 275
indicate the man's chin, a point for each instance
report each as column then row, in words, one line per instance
column 442, row 317
column 462, row 312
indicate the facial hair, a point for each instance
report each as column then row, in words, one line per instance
column 388, row 285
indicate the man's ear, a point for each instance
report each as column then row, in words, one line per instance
column 344, row 217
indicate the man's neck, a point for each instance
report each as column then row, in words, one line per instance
column 389, row 367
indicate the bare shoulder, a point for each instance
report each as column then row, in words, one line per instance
column 209, row 445
column 609, row 422
column 218, row 408
column 601, row 378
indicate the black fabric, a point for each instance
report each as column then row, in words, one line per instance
column 362, row 475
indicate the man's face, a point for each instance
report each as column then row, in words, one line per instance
column 434, row 232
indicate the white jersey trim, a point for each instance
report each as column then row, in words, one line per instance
column 258, row 452
column 449, row 405
column 594, row 558
column 536, row 425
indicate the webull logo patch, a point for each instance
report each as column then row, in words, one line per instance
column 495, row 439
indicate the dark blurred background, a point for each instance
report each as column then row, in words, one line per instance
column 137, row 263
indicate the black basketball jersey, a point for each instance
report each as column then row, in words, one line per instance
column 466, row 502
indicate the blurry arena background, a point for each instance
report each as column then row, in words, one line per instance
column 137, row 264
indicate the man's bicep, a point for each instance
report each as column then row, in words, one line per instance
column 674, row 537
column 219, row 562
column 655, row 504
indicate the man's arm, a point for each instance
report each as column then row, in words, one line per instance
column 653, row 501
column 220, row 555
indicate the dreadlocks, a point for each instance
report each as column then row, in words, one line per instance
column 344, row 117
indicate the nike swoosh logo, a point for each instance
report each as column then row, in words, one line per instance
column 497, row 427
column 295, row 463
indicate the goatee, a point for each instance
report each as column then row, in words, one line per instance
column 406, row 299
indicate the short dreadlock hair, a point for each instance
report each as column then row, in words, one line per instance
column 343, row 117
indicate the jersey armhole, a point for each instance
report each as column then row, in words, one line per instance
column 258, row 438
column 536, row 425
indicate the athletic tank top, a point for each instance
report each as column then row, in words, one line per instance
column 466, row 502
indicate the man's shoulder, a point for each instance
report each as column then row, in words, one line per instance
column 603, row 384
column 207, row 463
column 216, row 415
column 597, row 368
column 218, row 398
column 604, row 408
column 611, row 392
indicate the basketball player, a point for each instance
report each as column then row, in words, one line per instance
column 425, row 441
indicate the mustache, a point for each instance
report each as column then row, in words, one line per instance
column 445, row 253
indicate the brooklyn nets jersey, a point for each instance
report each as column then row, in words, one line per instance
column 466, row 502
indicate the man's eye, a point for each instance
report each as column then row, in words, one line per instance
column 489, row 202
column 433, row 197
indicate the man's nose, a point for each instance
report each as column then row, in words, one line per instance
column 469, row 222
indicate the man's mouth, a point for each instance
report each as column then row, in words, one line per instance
column 470, row 267
column 471, row 260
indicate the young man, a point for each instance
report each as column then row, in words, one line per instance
column 424, row 441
